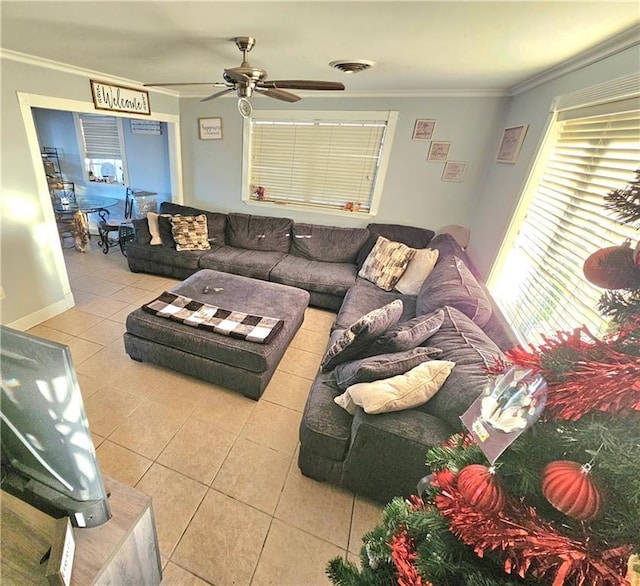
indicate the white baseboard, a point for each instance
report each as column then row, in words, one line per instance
column 33, row 319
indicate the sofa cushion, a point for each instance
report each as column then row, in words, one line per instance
column 386, row 263
column 364, row 297
column 417, row 271
column 381, row 366
column 409, row 235
column 452, row 283
column 259, row 232
column 187, row 259
column 404, row 391
column 216, row 221
column 464, row 343
column 312, row 275
column 240, row 261
column 346, row 345
column 190, row 232
column 328, row 243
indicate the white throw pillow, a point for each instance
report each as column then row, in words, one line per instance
column 418, row 270
column 404, row 391
column 154, row 228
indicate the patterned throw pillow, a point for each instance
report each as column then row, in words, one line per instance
column 190, row 232
column 386, row 263
column 349, row 343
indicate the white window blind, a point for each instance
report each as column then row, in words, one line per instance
column 101, row 136
column 541, row 287
column 317, row 162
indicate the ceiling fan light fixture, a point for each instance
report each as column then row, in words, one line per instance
column 352, row 65
column 245, row 108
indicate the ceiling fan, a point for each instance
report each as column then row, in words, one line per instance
column 246, row 79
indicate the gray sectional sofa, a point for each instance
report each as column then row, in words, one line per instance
column 378, row 456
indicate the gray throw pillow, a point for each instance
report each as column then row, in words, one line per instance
column 407, row 334
column 374, row 368
column 348, row 345
column 452, row 283
column 142, row 235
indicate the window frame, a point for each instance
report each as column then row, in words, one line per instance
column 83, row 151
column 544, row 159
column 391, row 117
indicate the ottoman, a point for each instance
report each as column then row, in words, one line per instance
column 233, row 363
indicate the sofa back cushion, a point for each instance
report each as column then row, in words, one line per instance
column 216, row 221
column 452, row 283
column 328, row 243
column 409, row 235
column 473, row 352
column 259, row 232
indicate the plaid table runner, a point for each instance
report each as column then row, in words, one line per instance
column 236, row 324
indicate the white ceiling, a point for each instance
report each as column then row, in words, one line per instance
column 419, row 46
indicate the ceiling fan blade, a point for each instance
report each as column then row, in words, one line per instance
column 167, row 84
column 301, row 84
column 279, row 94
column 217, row 94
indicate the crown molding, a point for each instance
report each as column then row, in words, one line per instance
column 79, row 71
column 92, row 74
column 444, row 93
column 625, row 40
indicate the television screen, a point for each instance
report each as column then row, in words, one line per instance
column 48, row 457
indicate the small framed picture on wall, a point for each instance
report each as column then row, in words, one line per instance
column 423, row 130
column 454, row 171
column 439, row 151
column 511, row 143
column 210, row 128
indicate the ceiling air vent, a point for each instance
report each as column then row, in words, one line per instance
column 352, row 65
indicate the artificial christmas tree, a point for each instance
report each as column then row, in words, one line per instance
column 561, row 506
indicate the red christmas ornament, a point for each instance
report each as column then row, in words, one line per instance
column 613, row 267
column 481, row 489
column 568, row 486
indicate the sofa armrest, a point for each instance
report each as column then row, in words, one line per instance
column 387, row 454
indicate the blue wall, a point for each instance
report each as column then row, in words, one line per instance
column 147, row 155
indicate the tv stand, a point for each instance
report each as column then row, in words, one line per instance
column 124, row 550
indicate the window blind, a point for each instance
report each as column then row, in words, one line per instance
column 541, row 288
column 101, row 136
column 323, row 163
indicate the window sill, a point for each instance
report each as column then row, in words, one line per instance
column 307, row 209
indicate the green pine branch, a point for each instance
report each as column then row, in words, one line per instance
column 625, row 202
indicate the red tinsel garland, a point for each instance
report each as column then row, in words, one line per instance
column 600, row 378
column 403, row 553
column 527, row 544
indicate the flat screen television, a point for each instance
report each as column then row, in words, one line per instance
column 48, row 457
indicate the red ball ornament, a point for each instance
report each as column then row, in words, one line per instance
column 481, row 489
column 613, row 267
column 569, row 487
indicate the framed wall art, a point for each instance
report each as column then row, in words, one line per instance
column 423, row 130
column 511, row 143
column 210, row 128
column 439, row 151
column 454, row 171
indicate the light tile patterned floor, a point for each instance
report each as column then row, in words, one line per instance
column 231, row 505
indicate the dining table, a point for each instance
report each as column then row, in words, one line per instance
column 80, row 210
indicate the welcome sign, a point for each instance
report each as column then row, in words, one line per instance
column 117, row 98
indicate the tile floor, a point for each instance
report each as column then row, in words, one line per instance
column 230, row 504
